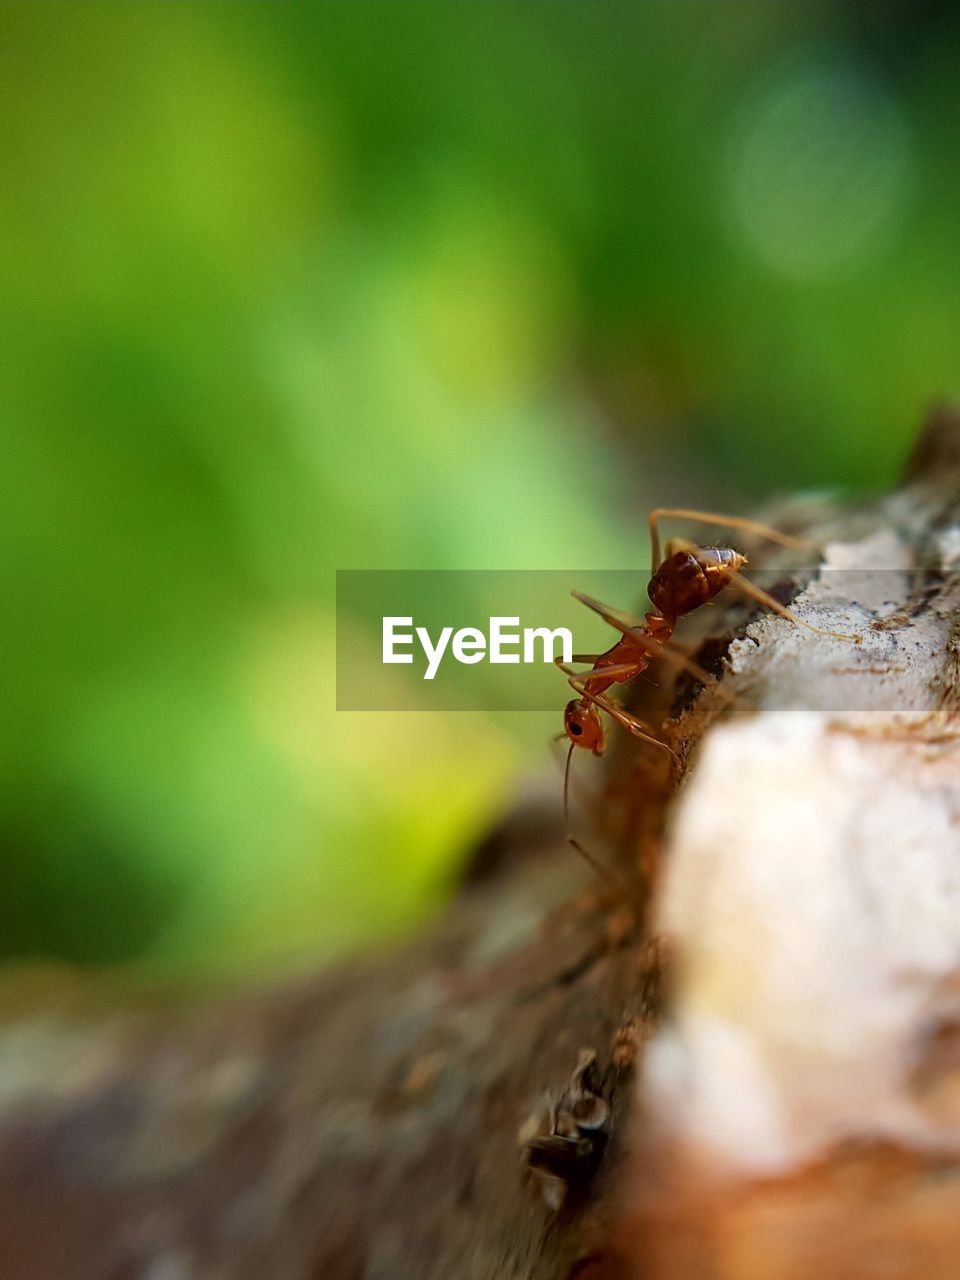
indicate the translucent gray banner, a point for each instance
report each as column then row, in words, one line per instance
column 485, row 639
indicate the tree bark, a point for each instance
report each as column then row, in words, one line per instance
column 803, row 1093
column 795, row 1109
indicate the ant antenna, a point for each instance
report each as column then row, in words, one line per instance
column 566, row 787
column 572, row 840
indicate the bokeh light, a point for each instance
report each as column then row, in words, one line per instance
column 820, row 169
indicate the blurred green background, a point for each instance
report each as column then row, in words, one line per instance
column 285, row 289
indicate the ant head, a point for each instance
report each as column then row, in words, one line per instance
column 581, row 723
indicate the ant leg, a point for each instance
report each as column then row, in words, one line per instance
column 652, row 648
column 620, row 669
column 631, row 723
column 619, row 618
column 726, row 522
column 591, row 658
column 574, row 843
column 578, row 680
column 757, row 593
column 750, row 589
column 590, row 860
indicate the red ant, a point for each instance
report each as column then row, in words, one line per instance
column 686, row 578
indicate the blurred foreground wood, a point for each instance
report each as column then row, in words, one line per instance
column 797, row 1111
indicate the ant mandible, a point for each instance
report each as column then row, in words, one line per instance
column 687, row 577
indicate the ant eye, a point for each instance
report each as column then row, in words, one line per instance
column 576, row 730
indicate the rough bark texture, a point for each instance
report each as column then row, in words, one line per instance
column 364, row 1123
column 803, row 1093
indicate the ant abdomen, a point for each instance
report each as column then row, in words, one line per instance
column 687, row 579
